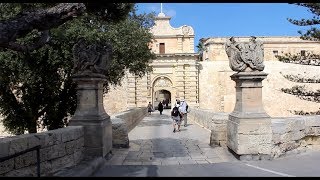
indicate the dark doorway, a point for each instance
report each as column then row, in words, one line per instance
column 164, row 96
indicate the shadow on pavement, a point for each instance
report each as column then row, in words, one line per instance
column 159, row 122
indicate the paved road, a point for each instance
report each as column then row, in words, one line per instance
column 156, row 151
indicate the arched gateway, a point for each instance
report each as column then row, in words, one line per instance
column 162, row 91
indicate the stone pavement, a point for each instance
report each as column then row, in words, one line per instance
column 152, row 142
column 155, row 151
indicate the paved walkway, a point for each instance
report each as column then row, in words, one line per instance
column 155, row 151
column 152, row 142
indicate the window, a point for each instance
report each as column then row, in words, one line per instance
column 303, row 53
column 275, row 52
column 161, row 48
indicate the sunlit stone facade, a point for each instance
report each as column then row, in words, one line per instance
column 207, row 84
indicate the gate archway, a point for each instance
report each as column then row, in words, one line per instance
column 162, row 89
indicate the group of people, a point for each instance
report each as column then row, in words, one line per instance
column 179, row 113
column 150, row 107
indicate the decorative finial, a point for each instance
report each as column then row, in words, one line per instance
column 161, row 14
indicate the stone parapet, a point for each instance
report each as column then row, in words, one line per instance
column 216, row 122
column 59, row 149
column 290, row 135
column 123, row 123
column 295, row 134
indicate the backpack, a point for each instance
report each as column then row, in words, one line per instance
column 175, row 112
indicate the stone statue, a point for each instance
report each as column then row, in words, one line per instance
column 91, row 59
column 245, row 56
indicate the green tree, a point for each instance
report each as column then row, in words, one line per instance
column 19, row 19
column 201, row 48
column 309, row 58
column 36, row 86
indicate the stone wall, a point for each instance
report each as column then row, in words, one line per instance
column 296, row 134
column 214, row 121
column 123, row 123
column 60, row 148
column 290, row 135
column 115, row 100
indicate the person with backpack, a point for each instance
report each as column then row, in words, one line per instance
column 176, row 117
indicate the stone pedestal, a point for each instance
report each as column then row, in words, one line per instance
column 91, row 115
column 249, row 132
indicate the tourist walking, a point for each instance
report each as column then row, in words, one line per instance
column 176, row 117
column 150, row 108
column 184, row 111
column 160, row 107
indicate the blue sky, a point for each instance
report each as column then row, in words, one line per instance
column 232, row 19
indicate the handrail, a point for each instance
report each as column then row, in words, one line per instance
column 23, row 152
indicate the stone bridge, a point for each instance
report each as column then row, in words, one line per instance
column 141, row 139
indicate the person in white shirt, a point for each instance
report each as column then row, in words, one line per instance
column 183, row 110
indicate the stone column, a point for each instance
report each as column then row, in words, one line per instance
column 249, row 132
column 91, row 115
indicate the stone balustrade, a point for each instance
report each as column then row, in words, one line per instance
column 60, row 148
column 123, row 123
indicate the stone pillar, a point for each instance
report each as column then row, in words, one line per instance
column 91, row 115
column 249, row 132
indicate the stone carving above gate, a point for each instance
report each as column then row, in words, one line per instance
column 246, row 56
column 162, row 82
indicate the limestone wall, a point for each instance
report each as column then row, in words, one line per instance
column 295, row 134
column 60, row 148
column 123, row 123
column 214, row 121
column 290, row 135
column 115, row 100
column 217, row 90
